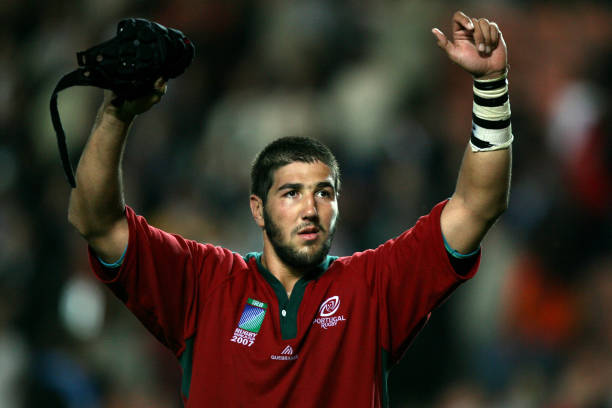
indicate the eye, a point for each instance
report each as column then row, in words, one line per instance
column 324, row 193
column 291, row 194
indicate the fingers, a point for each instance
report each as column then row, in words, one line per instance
column 442, row 40
column 159, row 88
column 478, row 37
column 486, row 35
column 494, row 35
column 461, row 22
column 160, row 85
column 482, row 32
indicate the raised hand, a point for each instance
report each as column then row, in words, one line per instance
column 477, row 46
column 130, row 108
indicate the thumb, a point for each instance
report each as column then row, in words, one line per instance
column 442, row 40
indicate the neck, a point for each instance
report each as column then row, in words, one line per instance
column 286, row 275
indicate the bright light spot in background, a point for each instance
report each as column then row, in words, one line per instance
column 82, row 308
column 575, row 111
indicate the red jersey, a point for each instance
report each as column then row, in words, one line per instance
column 241, row 342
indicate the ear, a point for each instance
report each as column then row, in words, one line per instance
column 257, row 210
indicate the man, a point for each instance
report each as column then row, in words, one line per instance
column 293, row 326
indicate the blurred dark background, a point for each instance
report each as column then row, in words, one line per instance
column 533, row 329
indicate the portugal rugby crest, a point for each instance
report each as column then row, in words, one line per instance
column 327, row 313
column 330, row 306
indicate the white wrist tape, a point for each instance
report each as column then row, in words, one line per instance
column 491, row 127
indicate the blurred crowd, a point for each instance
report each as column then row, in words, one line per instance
column 533, row 329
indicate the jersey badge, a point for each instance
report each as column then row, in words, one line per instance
column 327, row 313
column 250, row 322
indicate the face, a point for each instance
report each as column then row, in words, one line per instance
column 300, row 213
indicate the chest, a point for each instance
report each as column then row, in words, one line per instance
column 286, row 351
column 248, row 317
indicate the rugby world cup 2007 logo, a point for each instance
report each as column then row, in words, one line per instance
column 327, row 310
column 250, row 322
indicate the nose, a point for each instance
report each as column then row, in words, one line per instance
column 310, row 207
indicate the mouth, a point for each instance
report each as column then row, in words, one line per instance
column 309, row 233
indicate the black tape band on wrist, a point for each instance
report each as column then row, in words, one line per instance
column 491, row 124
column 499, row 101
column 488, row 86
column 481, row 144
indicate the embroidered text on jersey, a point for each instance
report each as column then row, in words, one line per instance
column 286, row 354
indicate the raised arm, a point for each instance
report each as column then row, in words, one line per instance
column 96, row 207
column 483, row 185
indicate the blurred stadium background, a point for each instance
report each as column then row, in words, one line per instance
column 533, row 329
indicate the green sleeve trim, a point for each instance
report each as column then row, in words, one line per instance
column 115, row 264
column 186, row 361
column 457, row 254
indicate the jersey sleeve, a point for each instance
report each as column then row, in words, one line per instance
column 163, row 279
column 411, row 275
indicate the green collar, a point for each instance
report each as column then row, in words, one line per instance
column 288, row 306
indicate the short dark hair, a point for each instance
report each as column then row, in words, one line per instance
column 287, row 150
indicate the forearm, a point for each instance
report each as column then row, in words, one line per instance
column 483, row 185
column 97, row 203
column 96, row 207
column 480, row 197
column 484, row 178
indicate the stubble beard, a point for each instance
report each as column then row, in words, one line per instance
column 290, row 255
